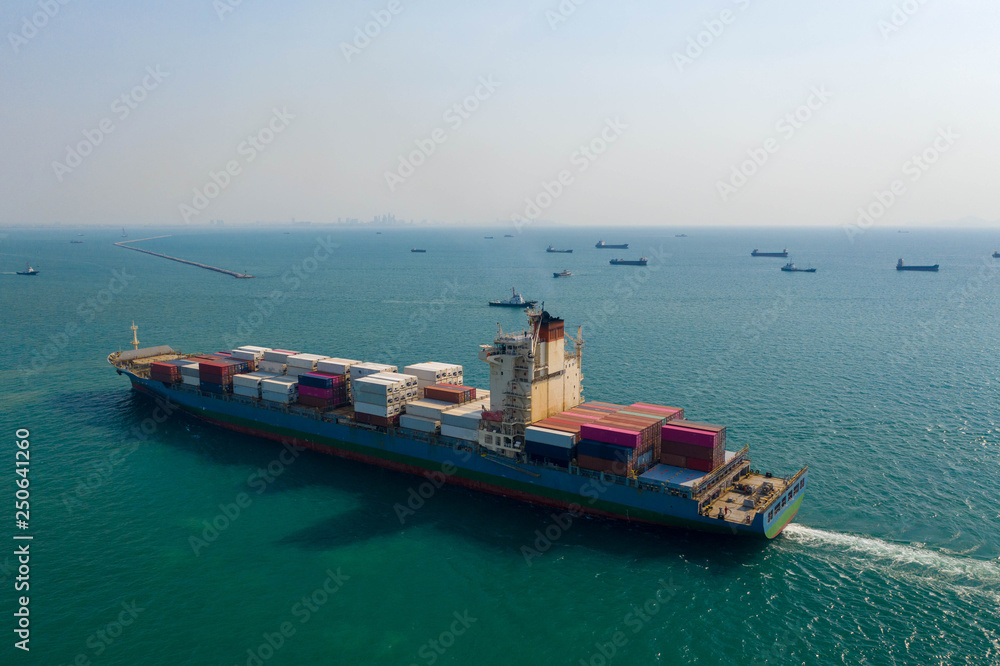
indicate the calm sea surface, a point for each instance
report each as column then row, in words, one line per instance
column 886, row 384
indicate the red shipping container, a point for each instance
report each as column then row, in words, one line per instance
column 376, row 420
column 470, row 389
column 611, row 435
column 552, row 425
column 688, row 450
column 313, row 392
column 671, row 459
column 688, row 436
column 312, row 401
column 700, row 465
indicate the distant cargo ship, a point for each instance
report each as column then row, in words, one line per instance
column 552, row 249
column 900, row 266
column 562, row 274
column 601, row 245
column 790, row 268
column 531, row 437
column 73, row 242
column 417, row 250
column 515, row 301
column 758, row 253
column 629, row 262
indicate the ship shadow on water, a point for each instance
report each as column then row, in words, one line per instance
column 389, row 505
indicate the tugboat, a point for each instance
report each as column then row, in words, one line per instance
column 553, row 249
column 996, row 255
column 29, row 271
column 629, row 262
column 790, row 268
column 758, row 253
column 601, row 245
column 417, row 250
column 562, row 274
column 901, row 267
column 515, row 301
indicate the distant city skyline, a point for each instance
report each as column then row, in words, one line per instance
column 732, row 112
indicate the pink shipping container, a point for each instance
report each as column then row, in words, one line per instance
column 688, row 436
column 609, row 435
column 316, row 392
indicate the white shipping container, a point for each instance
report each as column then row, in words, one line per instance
column 251, row 378
column 376, row 410
column 305, row 361
column 359, row 370
column 376, row 386
column 405, row 380
column 336, row 366
column 465, row 419
column 272, row 367
column 548, row 436
column 189, row 370
column 254, row 348
column 417, row 423
column 246, row 391
column 190, row 381
column 459, row 433
column 279, row 385
column 277, row 356
column 283, row 398
column 428, row 409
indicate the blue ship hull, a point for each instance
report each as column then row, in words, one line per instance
column 460, row 462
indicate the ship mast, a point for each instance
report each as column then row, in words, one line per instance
column 135, row 336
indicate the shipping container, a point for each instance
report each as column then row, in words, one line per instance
column 307, row 361
column 687, row 450
column 359, row 370
column 671, row 459
column 279, row 355
column 418, row 423
column 594, row 449
column 284, row 385
column 462, row 419
column 547, row 436
column 429, row 409
column 312, row 392
column 377, row 420
column 700, row 465
column 550, row 451
column 272, row 367
column 453, row 394
column 469, row 434
column 283, row 398
column 611, row 435
column 211, row 387
column 674, row 433
column 376, row 410
column 314, row 401
column 336, row 366
column 246, row 391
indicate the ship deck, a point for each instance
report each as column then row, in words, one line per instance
column 741, row 502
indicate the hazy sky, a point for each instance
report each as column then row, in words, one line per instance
column 666, row 119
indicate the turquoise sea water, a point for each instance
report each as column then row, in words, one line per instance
column 884, row 383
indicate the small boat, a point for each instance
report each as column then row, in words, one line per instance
column 488, row 237
column 562, row 274
column 758, row 253
column 417, row 250
column 508, row 235
column 996, row 255
column 680, row 235
column 601, row 245
column 629, row 262
column 124, row 235
column 552, row 249
column 515, row 301
column 900, row 266
column 790, row 268
column 79, row 234
column 28, row 271
column 75, row 241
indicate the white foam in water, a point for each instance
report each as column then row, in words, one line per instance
column 912, row 559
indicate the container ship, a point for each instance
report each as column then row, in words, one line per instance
column 900, row 266
column 758, row 253
column 601, row 245
column 531, row 436
column 629, row 262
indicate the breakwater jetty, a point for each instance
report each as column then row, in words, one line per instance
column 125, row 244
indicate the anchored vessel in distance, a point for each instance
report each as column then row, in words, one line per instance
column 601, row 245
column 531, row 437
column 515, row 301
column 552, row 249
column 790, row 268
column 758, row 253
column 900, row 266
column 565, row 273
column 629, row 262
